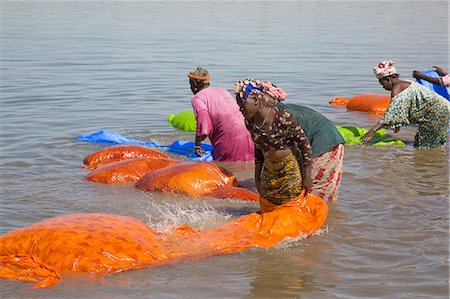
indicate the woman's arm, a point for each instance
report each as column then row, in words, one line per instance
column 419, row 75
column 369, row 135
column 259, row 160
column 440, row 71
column 198, row 146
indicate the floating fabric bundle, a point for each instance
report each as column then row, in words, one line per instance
column 190, row 178
column 97, row 243
column 121, row 152
column 101, row 243
column 369, row 102
column 353, row 135
column 442, row 90
column 180, row 147
column 185, row 120
column 127, row 171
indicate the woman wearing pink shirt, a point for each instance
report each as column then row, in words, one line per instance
column 218, row 118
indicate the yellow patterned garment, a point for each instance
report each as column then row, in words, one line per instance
column 281, row 180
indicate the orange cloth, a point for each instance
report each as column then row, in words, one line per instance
column 102, row 243
column 234, row 192
column 127, row 171
column 194, row 179
column 121, row 152
column 370, row 102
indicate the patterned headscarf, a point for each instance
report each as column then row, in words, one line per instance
column 199, row 74
column 384, row 69
column 277, row 93
column 244, row 88
column 248, row 86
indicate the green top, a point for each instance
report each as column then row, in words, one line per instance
column 321, row 132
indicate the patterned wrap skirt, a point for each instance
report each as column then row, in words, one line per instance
column 326, row 172
column 281, row 180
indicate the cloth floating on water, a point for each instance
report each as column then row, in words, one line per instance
column 185, row 120
column 353, row 135
column 185, row 148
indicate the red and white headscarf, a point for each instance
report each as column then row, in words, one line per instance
column 384, row 69
column 276, row 92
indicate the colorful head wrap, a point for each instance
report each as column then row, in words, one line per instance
column 277, row 93
column 249, row 89
column 384, row 69
column 199, row 74
column 245, row 87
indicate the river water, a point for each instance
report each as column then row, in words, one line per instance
column 70, row 68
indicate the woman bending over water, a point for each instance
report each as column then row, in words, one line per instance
column 274, row 132
column 412, row 103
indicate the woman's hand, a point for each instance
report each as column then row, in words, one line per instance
column 368, row 136
column 440, row 71
column 198, row 151
column 307, row 181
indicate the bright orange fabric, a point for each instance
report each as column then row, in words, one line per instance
column 102, row 243
column 121, row 152
column 194, row 179
column 234, row 192
column 127, row 171
column 370, row 102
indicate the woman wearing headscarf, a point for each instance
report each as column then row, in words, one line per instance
column 412, row 103
column 274, row 132
column 327, row 143
column 218, row 118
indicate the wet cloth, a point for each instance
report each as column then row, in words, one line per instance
column 281, row 180
column 321, row 132
column 419, row 105
column 218, row 116
column 326, row 172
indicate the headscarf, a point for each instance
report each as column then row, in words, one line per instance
column 245, row 87
column 199, row 74
column 277, row 93
column 384, row 69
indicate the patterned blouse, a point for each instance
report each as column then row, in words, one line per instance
column 419, row 105
column 283, row 133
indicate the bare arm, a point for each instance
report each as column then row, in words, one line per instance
column 198, row 148
column 369, row 135
column 419, row 75
column 440, row 71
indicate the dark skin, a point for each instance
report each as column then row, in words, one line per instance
column 196, row 86
column 395, row 85
column 436, row 81
column 259, row 111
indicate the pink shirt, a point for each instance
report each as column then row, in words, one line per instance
column 218, row 117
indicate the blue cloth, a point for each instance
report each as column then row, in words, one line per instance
column 442, row 90
column 185, row 148
column 249, row 89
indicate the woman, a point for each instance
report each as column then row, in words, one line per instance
column 326, row 142
column 218, row 118
column 412, row 103
column 274, row 132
